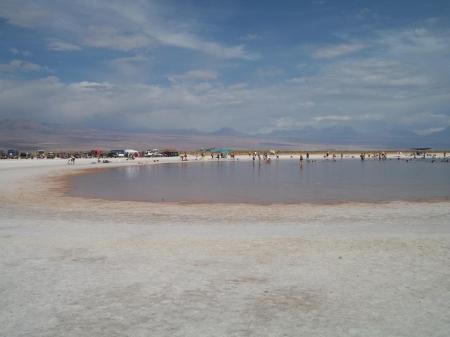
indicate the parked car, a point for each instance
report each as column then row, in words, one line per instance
column 153, row 153
column 3, row 154
column 26, row 155
column 63, row 155
column 50, row 155
column 170, row 153
column 116, row 154
column 40, row 154
column 13, row 154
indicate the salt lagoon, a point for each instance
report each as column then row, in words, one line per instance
column 271, row 181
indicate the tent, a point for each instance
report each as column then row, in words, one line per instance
column 131, row 153
column 221, row 150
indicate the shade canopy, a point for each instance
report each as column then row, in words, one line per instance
column 220, row 150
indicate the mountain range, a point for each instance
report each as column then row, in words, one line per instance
column 30, row 135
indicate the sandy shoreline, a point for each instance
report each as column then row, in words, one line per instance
column 79, row 267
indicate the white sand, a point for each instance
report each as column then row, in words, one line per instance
column 74, row 267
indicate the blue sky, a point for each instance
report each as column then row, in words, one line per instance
column 256, row 66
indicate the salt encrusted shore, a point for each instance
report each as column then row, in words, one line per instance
column 79, row 267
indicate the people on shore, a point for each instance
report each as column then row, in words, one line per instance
column 267, row 156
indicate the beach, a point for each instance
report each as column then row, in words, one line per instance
column 88, row 267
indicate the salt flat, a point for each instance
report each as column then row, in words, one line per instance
column 77, row 267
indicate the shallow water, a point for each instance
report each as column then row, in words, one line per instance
column 280, row 181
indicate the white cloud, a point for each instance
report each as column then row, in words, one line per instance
column 377, row 72
column 429, row 131
column 16, row 51
column 19, row 65
column 191, row 41
column 58, row 45
column 250, row 37
column 136, row 68
column 194, row 75
column 114, row 25
column 338, row 50
column 86, row 86
column 110, row 37
column 332, row 118
column 417, row 40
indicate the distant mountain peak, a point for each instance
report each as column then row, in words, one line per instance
column 227, row 131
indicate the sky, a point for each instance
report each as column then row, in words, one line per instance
column 256, row 66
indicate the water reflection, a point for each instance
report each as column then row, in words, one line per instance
column 131, row 172
column 270, row 182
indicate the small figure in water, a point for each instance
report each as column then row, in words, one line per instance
column 307, row 155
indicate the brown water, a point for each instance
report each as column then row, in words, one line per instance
column 280, row 181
